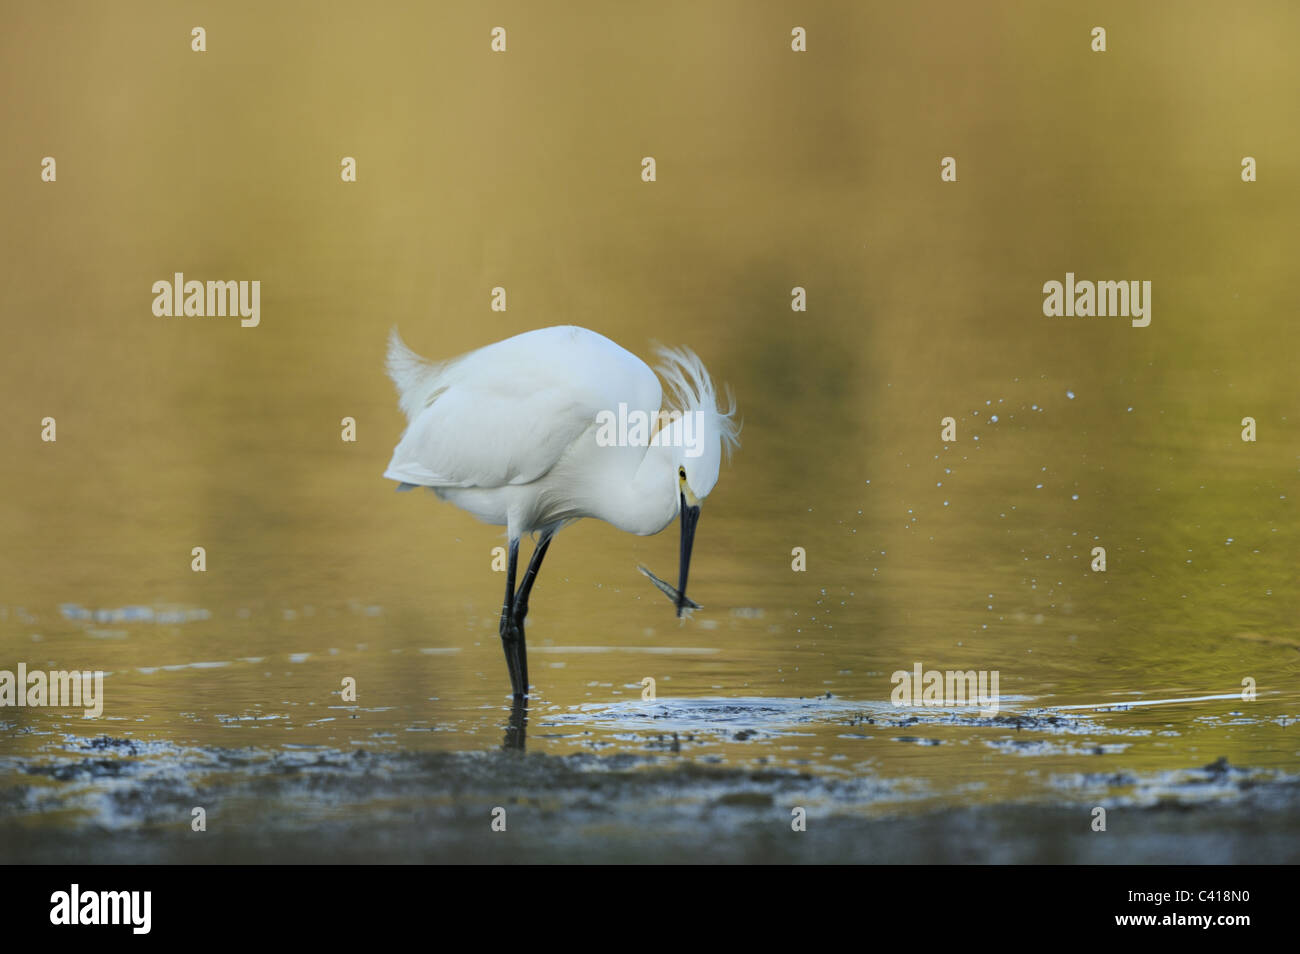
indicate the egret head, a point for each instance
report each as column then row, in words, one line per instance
column 699, row 435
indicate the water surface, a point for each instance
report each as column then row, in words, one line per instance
column 224, row 688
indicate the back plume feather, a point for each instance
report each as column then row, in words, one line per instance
column 416, row 377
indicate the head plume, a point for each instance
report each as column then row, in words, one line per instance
column 691, row 391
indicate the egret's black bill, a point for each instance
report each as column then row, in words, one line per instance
column 669, row 590
column 690, row 517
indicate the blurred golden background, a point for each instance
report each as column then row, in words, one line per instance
column 775, row 169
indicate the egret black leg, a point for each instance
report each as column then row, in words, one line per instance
column 520, row 609
column 530, row 575
column 512, row 638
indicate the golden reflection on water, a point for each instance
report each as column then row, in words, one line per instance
column 775, row 170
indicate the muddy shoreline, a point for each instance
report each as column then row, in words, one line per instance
column 122, row 801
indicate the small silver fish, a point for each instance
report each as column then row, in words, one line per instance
column 670, row 591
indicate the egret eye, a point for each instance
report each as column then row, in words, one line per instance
column 681, row 473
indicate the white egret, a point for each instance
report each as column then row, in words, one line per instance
column 521, row 434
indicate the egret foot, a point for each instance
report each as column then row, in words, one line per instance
column 516, row 737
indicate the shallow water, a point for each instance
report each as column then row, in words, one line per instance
column 224, row 688
column 279, row 762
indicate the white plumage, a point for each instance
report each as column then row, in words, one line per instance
column 510, row 433
column 505, row 413
column 522, row 410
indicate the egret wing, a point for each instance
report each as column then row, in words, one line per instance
column 505, row 414
column 476, row 437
